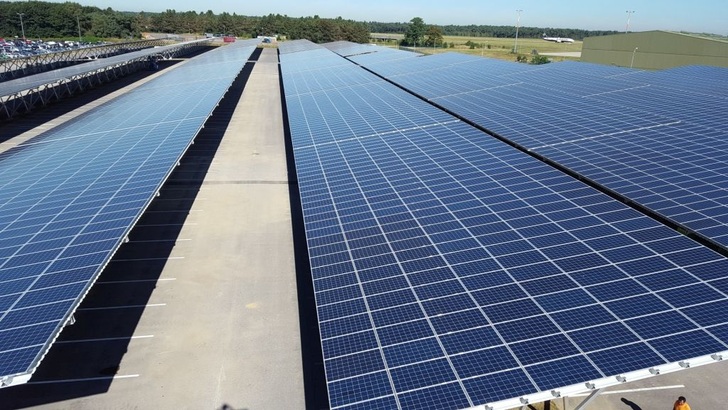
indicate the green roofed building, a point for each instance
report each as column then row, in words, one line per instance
column 655, row 50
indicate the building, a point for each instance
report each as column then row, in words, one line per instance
column 655, row 50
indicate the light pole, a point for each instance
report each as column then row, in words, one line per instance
column 633, row 53
column 22, row 28
column 629, row 16
column 78, row 21
column 518, row 23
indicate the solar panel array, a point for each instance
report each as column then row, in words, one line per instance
column 70, row 196
column 657, row 138
column 12, row 87
column 452, row 270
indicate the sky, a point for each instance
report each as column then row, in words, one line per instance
column 710, row 16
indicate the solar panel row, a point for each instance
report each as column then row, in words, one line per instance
column 12, row 87
column 70, row 196
column 451, row 270
column 640, row 134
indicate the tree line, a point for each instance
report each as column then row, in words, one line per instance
column 64, row 20
column 61, row 20
column 493, row 31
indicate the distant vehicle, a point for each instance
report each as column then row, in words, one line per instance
column 558, row 39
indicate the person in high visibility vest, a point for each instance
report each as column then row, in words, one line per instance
column 681, row 404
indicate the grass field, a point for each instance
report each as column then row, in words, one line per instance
column 495, row 47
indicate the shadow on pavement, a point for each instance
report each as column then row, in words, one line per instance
column 314, row 376
column 632, row 405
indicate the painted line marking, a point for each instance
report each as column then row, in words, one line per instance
column 112, row 282
column 124, row 307
column 160, row 240
column 148, row 259
column 104, row 339
column 180, row 199
column 165, row 211
column 155, row 225
column 87, row 379
column 676, row 386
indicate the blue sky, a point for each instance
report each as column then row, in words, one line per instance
column 677, row 15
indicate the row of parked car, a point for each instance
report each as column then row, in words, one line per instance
column 17, row 48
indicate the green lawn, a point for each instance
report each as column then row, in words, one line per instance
column 498, row 47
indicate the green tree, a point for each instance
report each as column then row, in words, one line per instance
column 49, row 20
column 166, row 22
column 104, row 25
column 434, row 36
column 540, row 60
column 415, row 32
column 142, row 22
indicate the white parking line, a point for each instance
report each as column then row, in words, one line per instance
column 148, row 259
column 156, row 225
column 174, row 210
column 104, row 339
column 676, row 386
column 86, row 379
column 123, row 307
column 179, row 199
column 160, row 240
column 111, row 282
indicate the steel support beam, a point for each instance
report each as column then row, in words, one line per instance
column 588, row 399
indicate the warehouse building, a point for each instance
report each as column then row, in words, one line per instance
column 655, row 50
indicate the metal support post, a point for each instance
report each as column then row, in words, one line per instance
column 588, row 400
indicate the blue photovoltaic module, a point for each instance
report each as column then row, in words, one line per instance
column 452, row 270
column 69, row 197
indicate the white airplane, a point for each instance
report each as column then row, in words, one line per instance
column 558, row 39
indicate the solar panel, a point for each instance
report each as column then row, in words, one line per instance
column 12, row 87
column 677, row 171
column 451, row 270
column 345, row 48
column 593, row 69
column 687, row 106
column 368, row 53
column 706, row 80
column 575, row 111
column 572, row 83
column 303, row 81
column 296, row 46
column 534, row 118
column 69, row 197
column 440, row 64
